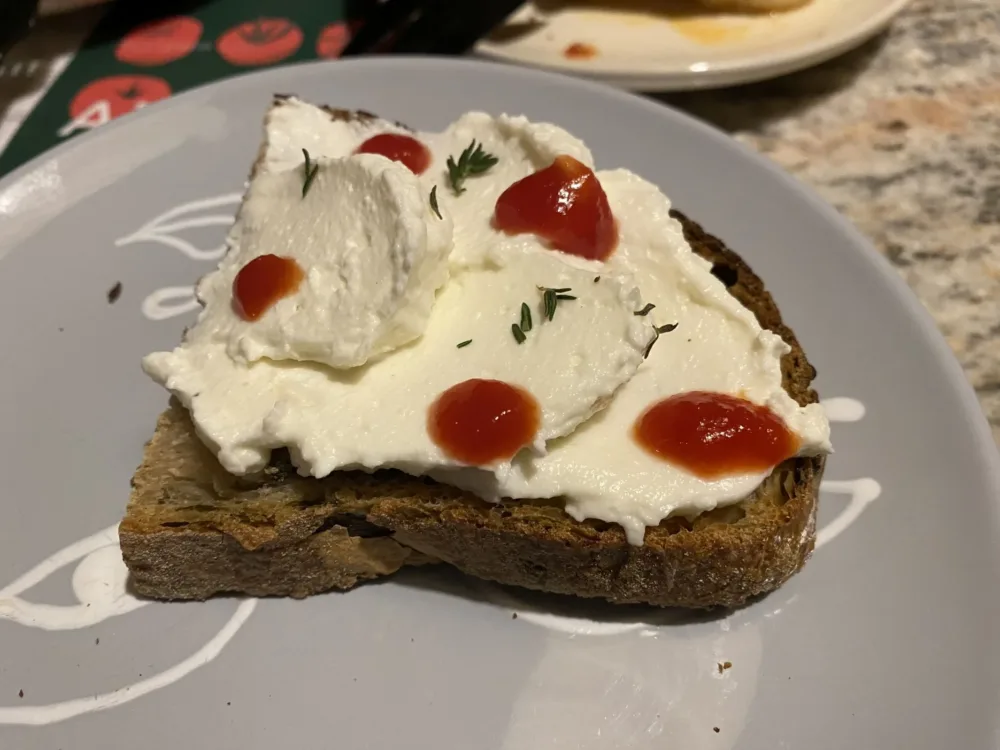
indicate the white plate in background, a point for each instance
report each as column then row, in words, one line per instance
column 669, row 45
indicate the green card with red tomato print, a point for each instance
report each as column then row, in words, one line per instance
column 142, row 52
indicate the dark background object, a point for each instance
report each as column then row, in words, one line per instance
column 429, row 27
column 16, row 19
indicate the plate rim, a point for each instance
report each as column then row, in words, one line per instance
column 746, row 69
column 988, row 454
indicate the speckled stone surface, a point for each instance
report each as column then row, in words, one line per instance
column 903, row 137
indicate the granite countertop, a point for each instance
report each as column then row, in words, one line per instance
column 903, row 137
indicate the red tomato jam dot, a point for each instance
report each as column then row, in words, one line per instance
column 580, row 51
column 262, row 282
column 565, row 205
column 714, row 435
column 479, row 422
column 408, row 151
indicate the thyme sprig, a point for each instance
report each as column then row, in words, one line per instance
column 551, row 299
column 310, row 173
column 472, row 161
column 434, row 202
column 657, row 330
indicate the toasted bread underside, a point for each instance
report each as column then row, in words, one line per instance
column 191, row 530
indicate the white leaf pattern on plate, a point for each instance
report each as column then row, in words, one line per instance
column 169, row 302
column 99, row 584
column 862, row 491
column 173, row 301
column 164, row 227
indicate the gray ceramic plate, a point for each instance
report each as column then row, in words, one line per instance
column 886, row 640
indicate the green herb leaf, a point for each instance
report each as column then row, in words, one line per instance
column 551, row 299
column 464, row 344
column 646, row 310
column 525, row 317
column 472, row 161
column 519, row 336
column 657, row 330
column 434, row 201
column 549, row 302
column 310, row 173
column 649, row 346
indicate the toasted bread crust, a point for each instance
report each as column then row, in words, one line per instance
column 191, row 530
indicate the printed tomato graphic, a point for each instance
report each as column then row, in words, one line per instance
column 115, row 96
column 160, row 42
column 332, row 39
column 260, row 42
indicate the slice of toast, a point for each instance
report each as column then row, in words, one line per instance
column 192, row 530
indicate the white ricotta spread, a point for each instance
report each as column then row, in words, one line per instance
column 718, row 345
column 375, row 416
column 244, row 403
column 523, row 147
column 372, row 251
column 585, row 367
